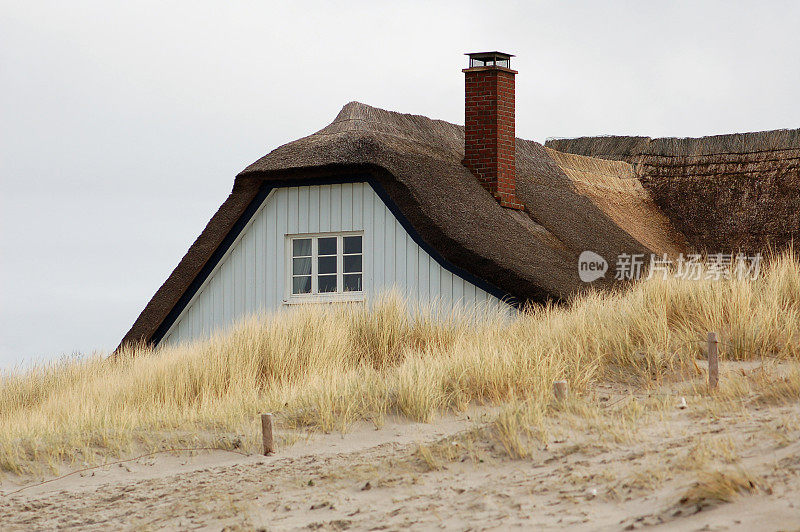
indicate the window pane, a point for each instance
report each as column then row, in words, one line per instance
column 327, row 246
column 327, row 283
column 352, row 263
column 352, row 282
column 327, row 264
column 301, row 247
column 301, row 285
column 301, row 266
column 352, row 244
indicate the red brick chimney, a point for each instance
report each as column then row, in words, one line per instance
column 489, row 125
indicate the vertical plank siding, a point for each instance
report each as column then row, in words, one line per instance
column 251, row 277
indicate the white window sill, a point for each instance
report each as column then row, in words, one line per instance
column 352, row 297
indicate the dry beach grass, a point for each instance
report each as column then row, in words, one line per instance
column 619, row 457
column 434, row 419
column 328, row 367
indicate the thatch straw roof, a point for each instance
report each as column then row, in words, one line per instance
column 573, row 204
column 613, row 187
column 736, row 144
column 724, row 192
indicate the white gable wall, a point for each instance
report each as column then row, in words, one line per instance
column 252, row 276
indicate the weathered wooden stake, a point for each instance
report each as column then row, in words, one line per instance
column 266, row 434
column 713, row 360
column 561, row 390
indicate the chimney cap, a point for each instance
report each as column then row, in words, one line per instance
column 489, row 59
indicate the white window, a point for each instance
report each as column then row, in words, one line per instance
column 325, row 266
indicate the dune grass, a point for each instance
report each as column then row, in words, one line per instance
column 721, row 486
column 325, row 367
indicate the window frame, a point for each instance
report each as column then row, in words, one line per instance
column 315, row 296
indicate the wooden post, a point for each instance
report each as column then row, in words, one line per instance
column 561, row 390
column 266, row 434
column 713, row 360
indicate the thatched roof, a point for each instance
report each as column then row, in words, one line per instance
column 724, row 192
column 781, row 142
column 573, row 204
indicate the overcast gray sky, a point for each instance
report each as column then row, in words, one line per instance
column 124, row 123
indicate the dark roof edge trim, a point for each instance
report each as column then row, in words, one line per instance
column 210, row 264
column 259, row 199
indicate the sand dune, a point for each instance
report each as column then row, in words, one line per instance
column 583, row 474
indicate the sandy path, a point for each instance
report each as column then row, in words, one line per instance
column 375, row 479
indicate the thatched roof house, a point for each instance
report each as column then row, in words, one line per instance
column 508, row 231
column 724, row 192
